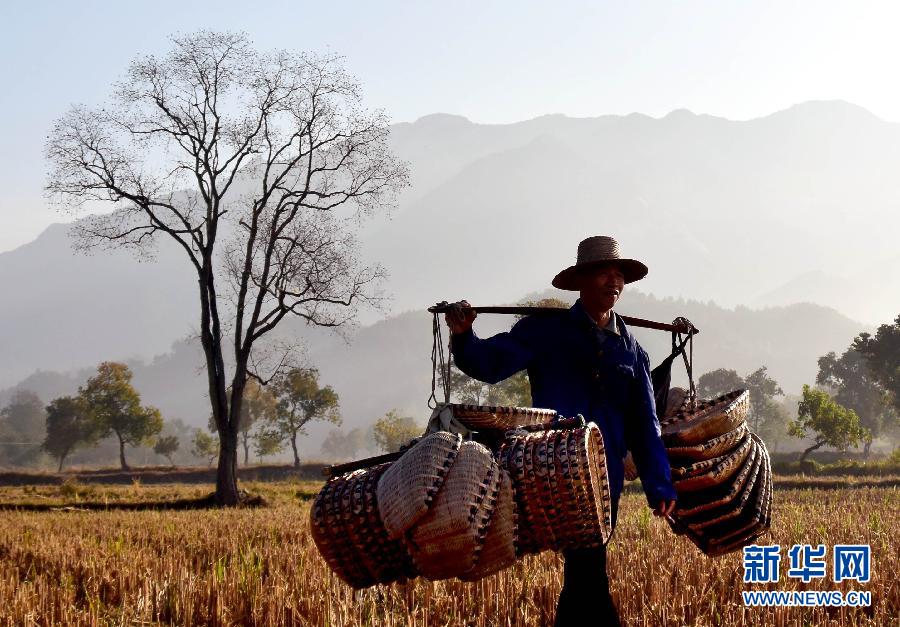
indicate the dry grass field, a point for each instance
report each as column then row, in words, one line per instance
column 258, row 566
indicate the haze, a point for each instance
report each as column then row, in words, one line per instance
column 490, row 62
column 748, row 154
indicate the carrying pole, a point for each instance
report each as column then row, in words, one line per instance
column 679, row 327
column 339, row 469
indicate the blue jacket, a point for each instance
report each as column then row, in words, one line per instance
column 577, row 368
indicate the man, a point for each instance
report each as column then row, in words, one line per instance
column 584, row 361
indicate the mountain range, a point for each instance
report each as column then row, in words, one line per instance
column 787, row 223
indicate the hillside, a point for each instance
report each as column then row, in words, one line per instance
column 797, row 206
column 387, row 364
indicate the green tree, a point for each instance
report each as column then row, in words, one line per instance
column 393, row 431
column 259, row 167
column 22, row 423
column 204, row 446
column 300, row 401
column 268, row 441
column 854, row 386
column 882, row 354
column 514, row 391
column 463, row 388
column 831, row 423
column 167, row 446
column 767, row 417
column 718, row 382
column 115, row 406
column 69, row 426
column 341, row 446
column 259, row 406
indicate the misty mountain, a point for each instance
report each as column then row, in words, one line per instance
column 388, row 364
column 721, row 210
column 797, row 206
column 63, row 310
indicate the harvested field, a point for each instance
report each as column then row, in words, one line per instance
column 258, row 566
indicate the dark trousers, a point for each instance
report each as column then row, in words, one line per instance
column 585, row 600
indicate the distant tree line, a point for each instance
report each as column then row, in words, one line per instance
column 108, row 408
column 856, row 401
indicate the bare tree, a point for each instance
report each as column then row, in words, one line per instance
column 259, row 166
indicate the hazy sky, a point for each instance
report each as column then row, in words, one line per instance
column 492, row 62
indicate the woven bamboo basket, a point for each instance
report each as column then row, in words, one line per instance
column 554, row 503
column 561, row 488
column 576, row 470
column 511, row 457
column 722, row 470
column 692, row 504
column 676, row 401
column 408, row 487
column 531, row 498
column 711, row 448
column 447, row 540
column 729, row 517
column 736, row 507
column 499, row 548
column 562, row 481
column 348, row 532
column 391, row 560
column 755, row 518
column 741, row 449
column 710, row 419
column 591, row 454
column 489, row 417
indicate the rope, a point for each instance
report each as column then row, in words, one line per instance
column 439, row 363
column 687, row 357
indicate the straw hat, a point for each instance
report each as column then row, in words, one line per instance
column 595, row 251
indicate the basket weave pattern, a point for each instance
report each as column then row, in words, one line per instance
column 450, row 507
column 489, row 417
column 498, row 550
column 561, row 488
column 446, row 541
column 722, row 474
column 409, row 485
column 348, row 531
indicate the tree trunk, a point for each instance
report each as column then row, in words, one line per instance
column 294, row 446
column 122, row 454
column 211, row 340
column 226, row 473
column 245, row 440
column 810, row 450
column 61, row 460
column 867, row 448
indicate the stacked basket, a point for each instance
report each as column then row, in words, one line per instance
column 721, row 473
column 561, row 487
column 347, row 529
column 450, row 507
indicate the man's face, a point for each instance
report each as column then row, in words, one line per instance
column 602, row 285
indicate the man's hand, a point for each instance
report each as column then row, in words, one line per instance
column 460, row 317
column 665, row 508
